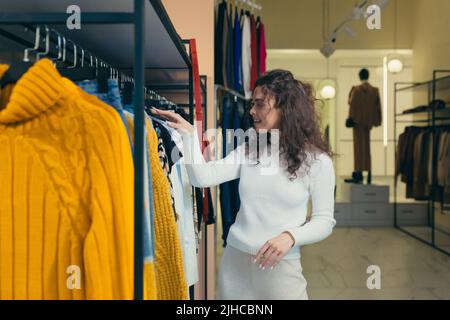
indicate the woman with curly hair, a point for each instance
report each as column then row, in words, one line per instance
column 262, row 256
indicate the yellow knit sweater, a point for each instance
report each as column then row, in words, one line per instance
column 66, row 193
column 170, row 278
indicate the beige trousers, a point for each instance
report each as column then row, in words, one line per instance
column 241, row 279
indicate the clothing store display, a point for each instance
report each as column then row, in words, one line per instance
column 69, row 178
column 437, row 104
column 267, row 207
column 240, row 48
column 414, row 162
column 365, row 112
column 241, row 279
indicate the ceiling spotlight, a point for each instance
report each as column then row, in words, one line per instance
column 327, row 50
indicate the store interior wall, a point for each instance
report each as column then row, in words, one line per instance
column 297, row 24
column 431, row 28
column 197, row 21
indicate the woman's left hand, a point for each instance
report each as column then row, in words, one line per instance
column 273, row 251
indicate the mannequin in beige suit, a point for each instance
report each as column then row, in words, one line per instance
column 365, row 112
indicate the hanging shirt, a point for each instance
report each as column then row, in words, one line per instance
column 237, row 52
column 254, row 52
column 246, row 56
column 218, row 43
column 262, row 49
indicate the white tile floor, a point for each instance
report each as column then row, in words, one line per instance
column 336, row 267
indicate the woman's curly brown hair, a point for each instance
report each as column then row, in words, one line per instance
column 299, row 123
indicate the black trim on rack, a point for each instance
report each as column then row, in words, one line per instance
column 431, row 87
column 162, row 13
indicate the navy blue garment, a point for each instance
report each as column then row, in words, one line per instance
column 234, row 190
column 229, row 191
column 218, row 43
column 237, row 52
column 230, row 50
column 225, row 195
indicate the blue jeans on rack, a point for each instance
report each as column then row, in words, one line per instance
column 112, row 97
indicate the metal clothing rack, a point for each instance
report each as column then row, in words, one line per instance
column 431, row 87
column 159, row 57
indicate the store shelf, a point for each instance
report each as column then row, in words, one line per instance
column 441, row 83
column 164, row 54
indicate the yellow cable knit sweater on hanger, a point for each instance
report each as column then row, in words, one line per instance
column 170, row 277
column 66, row 192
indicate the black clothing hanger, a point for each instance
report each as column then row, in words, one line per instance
column 15, row 72
column 128, row 93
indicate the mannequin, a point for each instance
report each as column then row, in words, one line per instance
column 364, row 114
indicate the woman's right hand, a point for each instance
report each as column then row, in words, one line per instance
column 174, row 120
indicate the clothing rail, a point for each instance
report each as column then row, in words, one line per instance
column 232, row 92
column 437, row 83
column 251, row 4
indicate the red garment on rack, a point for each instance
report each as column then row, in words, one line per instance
column 200, row 124
column 254, row 52
column 262, row 49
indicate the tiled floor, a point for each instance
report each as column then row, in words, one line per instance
column 336, row 267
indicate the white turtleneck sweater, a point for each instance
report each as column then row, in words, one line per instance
column 270, row 202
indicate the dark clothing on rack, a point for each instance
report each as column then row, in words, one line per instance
column 219, row 43
column 240, row 48
column 173, row 154
column 237, row 52
column 254, row 52
column 231, row 112
column 414, row 162
column 262, row 49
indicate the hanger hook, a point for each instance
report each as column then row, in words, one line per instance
column 47, row 44
column 63, row 49
column 58, row 46
column 82, row 57
column 36, row 45
column 74, row 54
